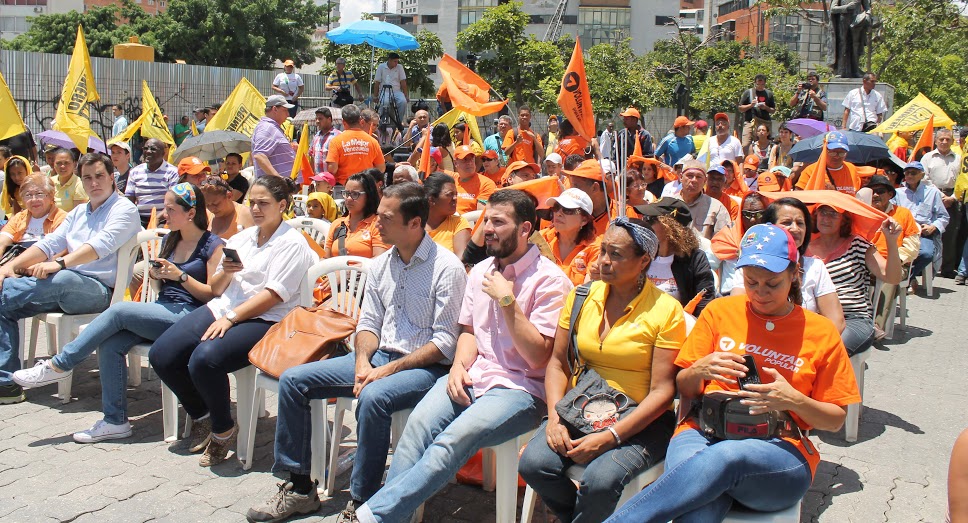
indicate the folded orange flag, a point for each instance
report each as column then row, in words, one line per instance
column 465, row 89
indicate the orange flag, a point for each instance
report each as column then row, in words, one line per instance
column 818, row 178
column 865, row 220
column 153, row 219
column 425, row 155
column 574, row 98
column 467, row 91
column 693, row 303
column 467, row 135
column 925, row 142
column 637, row 150
column 540, row 188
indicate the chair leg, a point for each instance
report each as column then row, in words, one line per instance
column 397, row 423
column 32, row 349
column 852, row 423
column 506, row 468
column 488, row 466
column 319, row 440
column 342, row 405
column 927, row 279
column 891, row 318
column 530, row 503
column 249, row 442
column 51, row 339
column 245, row 398
column 902, row 300
column 169, row 413
column 134, row 370
column 62, row 339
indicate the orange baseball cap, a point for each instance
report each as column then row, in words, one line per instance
column 631, row 111
column 767, row 181
column 590, row 169
column 521, row 164
column 192, row 165
column 752, row 161
column 721, row 116
column 682, row 121
column 463, row 152
column 490, row 153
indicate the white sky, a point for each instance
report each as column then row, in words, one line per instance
column 350, row 9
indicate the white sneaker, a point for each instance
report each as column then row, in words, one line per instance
column 42, row 373
column 103, row 430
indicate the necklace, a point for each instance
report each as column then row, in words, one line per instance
column 769, row 322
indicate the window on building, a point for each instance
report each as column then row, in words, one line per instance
column 733, row 5
column 538, row 19
column 569, row 19
column 428, row 19
column 431, row 69
column 663, row 20
column 23, row 2
column 604, row 24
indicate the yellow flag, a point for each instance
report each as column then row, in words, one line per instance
column 288, row 128
column 302, row 163
column 241, row 110
column 73, row 116
column 705, row 147
column 151, row 123
column 11, row 123
column 194, row 128
column 453, row 117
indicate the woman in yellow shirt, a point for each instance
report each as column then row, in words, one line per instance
column 629, row 332
column 449, row 230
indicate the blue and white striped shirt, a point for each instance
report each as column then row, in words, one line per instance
column 149, row 187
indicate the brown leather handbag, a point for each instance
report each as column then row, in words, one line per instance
column 302, row 336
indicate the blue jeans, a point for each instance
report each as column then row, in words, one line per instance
column 702, row 479
column 858, row 334
column 66, row 291
column 376, row 404
column 112, row 334
column 925, row 256
column 604, row 478
column 198, row 371
column 440, row 437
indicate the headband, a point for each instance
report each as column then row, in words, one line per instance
column 642, row 236
column 186, row 192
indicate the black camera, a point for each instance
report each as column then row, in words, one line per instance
column 806, row 86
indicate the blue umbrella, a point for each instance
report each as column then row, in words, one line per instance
column 376, row 33
column 864, row 148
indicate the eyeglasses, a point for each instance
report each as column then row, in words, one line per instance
column 33, row 196
column 353, row 195
column 753, row 215
column 638, row 186
column 827, row 212
column 567, row 212
column 880, row 190
column 489, row 160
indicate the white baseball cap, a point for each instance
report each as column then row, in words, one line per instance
column 608, row 166
column 572, row 199
column 554, row 158
column 123, row 145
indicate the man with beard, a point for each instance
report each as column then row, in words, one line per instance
column 148, row 182
column 495, row 388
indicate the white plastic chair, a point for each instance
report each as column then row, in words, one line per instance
column 347, row 275
column 472, row 217
column 316, row 229
column 299, row 203
column 742, row 515
column 852, row 423
column 62, row 326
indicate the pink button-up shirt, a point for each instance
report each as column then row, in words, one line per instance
column 540, row 287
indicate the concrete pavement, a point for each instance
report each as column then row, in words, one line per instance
column 896, row 471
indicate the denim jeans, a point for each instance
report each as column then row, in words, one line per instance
column 858, row 334
column 198, row 371
column 925, row 256
column 440, row 437
column 604, row 478
column 112, row 334
column 375, row 406
column 66, row 291
column 702, row 479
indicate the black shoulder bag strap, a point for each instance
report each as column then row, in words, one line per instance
column 574, row 361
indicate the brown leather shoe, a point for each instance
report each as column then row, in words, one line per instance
column 199, row 436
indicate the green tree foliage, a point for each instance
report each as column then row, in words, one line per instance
column 224, row 33
column 362, row 61
column 516, row 64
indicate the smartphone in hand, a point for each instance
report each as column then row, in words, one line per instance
column 752, row 375
column 232, row 255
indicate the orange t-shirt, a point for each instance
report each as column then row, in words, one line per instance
column 804, row 347
column 497, row 177
column 17, row 226
column 909, row 227
column 524, row 150
column 576, row 264
column 353, row 151
column 845, row 179
column 572, row 145
column 731, row 206
column 477, row 189
column 359, row 242
column 601, row 222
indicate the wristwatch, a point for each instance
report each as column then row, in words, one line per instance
column 60, row 261
column 183, row 278
column 231, row 316
column 506, row 300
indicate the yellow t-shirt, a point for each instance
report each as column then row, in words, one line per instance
column 624, row 357
column 443, row 235
column 70, row 194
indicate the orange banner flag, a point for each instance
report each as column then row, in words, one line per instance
column 466, row 90
column 574, row 98
column 925, row 142
column 425, row 154
column 818, row 178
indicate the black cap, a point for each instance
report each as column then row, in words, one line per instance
column 667, row 206
column 882, row 180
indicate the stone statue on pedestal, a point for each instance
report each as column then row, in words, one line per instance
column 850, row 24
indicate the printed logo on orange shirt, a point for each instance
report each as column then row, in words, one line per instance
column 770, row 357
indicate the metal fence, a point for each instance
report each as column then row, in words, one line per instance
column 36, row 80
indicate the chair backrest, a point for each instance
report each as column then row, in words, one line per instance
column 347, row 279
column 690, row 322
column 299, row 204
column 150, row 248
column 316, row 229
column 127, row 254
column 472, row 217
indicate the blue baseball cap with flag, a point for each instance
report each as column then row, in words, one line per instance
column 767, row 246
column 914, row 165
column 837, row 140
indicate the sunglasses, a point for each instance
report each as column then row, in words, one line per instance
column 489, row 160
column 353, row 195
column 880, row 190
column 567, row 212
column 753, row 215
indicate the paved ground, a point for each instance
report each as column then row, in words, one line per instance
column 896, row 471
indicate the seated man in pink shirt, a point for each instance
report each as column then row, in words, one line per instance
column 495, row 389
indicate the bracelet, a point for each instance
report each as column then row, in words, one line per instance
column 618, row 439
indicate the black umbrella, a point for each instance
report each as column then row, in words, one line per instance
column 213, row 145
column 864, row 148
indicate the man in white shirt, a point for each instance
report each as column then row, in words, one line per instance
column 120, row 121
column 942, row 167
column 391, row 73
column 864, row 107
column 290, row 85
column 723, row 146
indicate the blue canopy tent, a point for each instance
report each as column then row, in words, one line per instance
column 376, row 33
